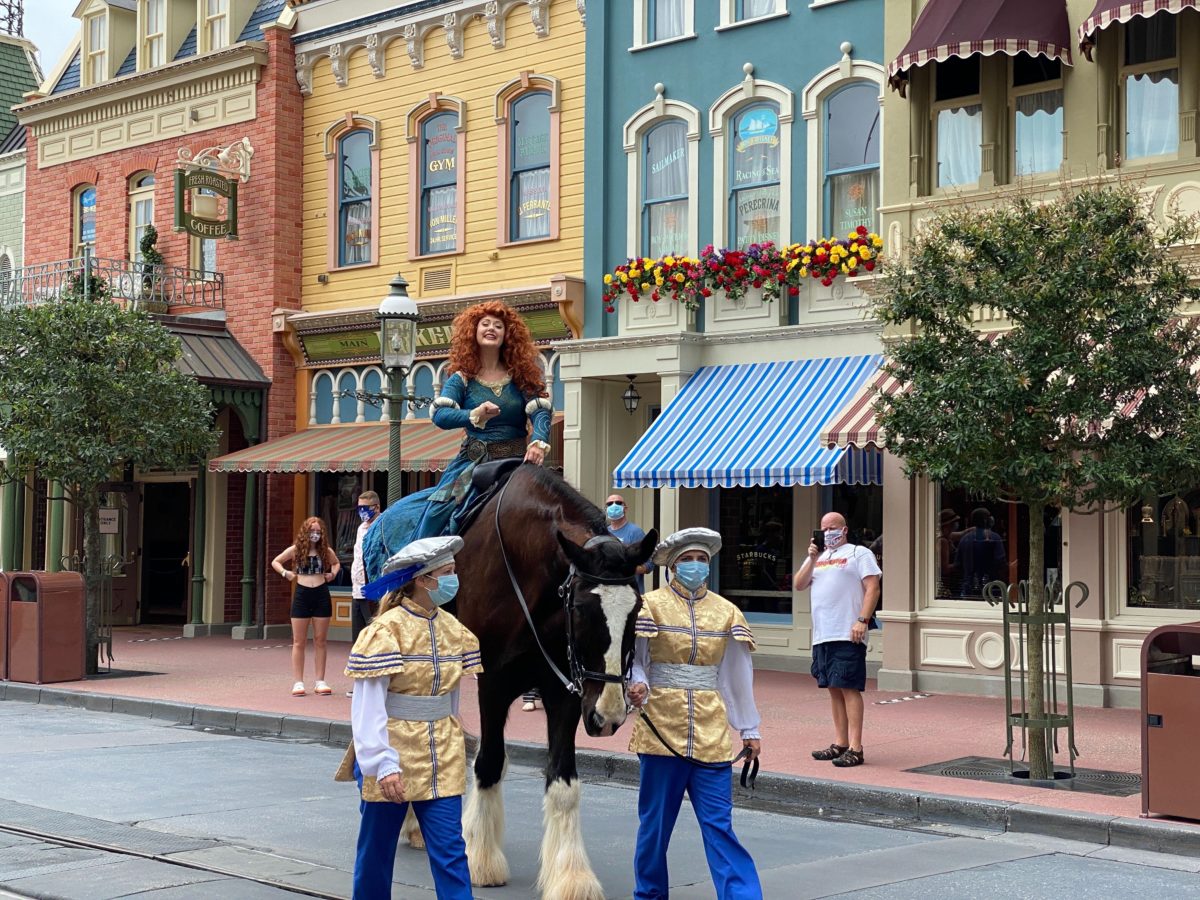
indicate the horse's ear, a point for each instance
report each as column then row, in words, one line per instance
column 573, row 551
column 649, row 542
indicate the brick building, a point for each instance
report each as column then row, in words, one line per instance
column 147, row 87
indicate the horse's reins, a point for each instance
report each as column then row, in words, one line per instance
column 749, row 767
column 579, row 674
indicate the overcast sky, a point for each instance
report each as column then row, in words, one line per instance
column 48, row 24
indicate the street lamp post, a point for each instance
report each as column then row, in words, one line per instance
column 398, row 316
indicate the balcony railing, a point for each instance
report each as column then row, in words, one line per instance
column 154, row 288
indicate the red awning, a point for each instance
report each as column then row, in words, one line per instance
column 1108, row 12
column 963, row 28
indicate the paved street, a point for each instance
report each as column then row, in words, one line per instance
column 184, row 802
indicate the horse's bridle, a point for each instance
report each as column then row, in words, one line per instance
column 566, row 593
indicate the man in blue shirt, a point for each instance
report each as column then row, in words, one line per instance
column 626, row 532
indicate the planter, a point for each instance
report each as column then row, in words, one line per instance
column 723, row 313
column 648, row 316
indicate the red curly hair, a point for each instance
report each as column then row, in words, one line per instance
column 517, row 354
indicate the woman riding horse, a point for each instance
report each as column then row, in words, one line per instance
column 494, row 391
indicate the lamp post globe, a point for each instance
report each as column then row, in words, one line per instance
column 398, row 316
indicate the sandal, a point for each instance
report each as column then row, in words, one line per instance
column 849, row 758
column 833, row 751
column 323, row 689
column 298, row 689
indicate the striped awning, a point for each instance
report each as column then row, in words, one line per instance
column 754, row 424
column 950, row 28
column 1110, row 12
column 346, row 448
column 855, row 425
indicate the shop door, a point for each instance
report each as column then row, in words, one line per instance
column 119, row 533
column 165, row 539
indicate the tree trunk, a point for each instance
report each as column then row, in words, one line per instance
column 1040, row 764
column 89, row 506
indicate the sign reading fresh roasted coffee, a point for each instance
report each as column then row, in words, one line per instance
column 198, row 196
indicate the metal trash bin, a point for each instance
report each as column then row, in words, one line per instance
column 47, row 623
column 4, row 576
column 1171, row 721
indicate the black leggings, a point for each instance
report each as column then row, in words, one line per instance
column 312, row 602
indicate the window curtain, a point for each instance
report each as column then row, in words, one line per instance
column 533, row 204
column 853, row 201
column 1039, row 127
column 668, row 19
column 752, row 9
column 666, row 175
column 959, row 134
column 441, row 219
column 1152, row 114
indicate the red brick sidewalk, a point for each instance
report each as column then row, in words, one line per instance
column 256, row 675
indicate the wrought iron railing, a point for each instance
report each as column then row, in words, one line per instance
column 155, row 288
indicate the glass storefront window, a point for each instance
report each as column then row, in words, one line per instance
column 1164, row 552
column 980, row 540
column 755, row 562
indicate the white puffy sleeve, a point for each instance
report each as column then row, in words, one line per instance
column 640, row 670
column 368, row 720
column 735, row 681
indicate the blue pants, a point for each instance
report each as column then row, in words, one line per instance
column 660, row 794
column 441, row 825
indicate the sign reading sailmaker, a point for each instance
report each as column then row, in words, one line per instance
column 205, row 226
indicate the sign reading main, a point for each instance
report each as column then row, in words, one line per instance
column 200, row 185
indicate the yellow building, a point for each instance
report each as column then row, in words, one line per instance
column 445, row 144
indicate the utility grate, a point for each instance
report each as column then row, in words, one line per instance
column 997, row 771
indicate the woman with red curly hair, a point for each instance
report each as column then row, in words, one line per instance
column 495, row 393
column 313, row 566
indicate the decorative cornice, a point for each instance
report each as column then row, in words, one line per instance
column 699, row 339
column 339, row 45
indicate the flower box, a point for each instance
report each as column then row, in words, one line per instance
column 742, row 311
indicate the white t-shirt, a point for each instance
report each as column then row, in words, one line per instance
column 837, row 591
column 358, row 571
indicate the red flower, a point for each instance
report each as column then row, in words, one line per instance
column 869, row 265
column 794, row 291
column 707, row 292
column 827, row 280
column 862, row 230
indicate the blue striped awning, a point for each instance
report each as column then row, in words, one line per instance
column 755, row 424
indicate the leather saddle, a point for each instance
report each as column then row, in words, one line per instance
column 486, row 481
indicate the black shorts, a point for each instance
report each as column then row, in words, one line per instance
column 840, row 664
column 312, row 602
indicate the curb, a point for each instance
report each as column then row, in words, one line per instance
column 790, row 794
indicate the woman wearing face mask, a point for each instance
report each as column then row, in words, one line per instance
column 692, row 678
column 408, row 744
column 313, row 566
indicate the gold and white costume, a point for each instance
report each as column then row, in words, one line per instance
column 675, row 629
column 420, row 653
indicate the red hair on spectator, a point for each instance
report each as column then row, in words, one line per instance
column 517, row 354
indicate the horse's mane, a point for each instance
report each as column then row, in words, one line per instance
column 571, row 499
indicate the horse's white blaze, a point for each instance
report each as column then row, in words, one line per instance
column 483, row 831
column 565, row 872
column 617, row 601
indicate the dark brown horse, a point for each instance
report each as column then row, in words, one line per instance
column 579, row 588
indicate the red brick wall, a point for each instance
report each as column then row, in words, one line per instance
column 262, row 270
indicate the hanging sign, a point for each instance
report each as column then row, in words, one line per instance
column 110, row 519
column 188, row 184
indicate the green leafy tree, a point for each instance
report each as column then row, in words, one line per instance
column 1093, row 289
column 90, row 385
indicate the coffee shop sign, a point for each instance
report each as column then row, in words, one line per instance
column 202, row 178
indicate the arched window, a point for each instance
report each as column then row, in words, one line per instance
column 754, row 175
column 354, row 198
column 665, row 211
column 439, row 183
column 84, row 225
column 530, row 200
column 851, row 179
column 141, row 212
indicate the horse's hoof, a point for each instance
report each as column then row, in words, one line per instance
column 416, row 840
column 491, row 872
column 573, row 886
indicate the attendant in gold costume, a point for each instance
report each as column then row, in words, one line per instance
column 693, row 679
column 408, row 743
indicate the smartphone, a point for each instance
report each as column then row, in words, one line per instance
column 819, row 539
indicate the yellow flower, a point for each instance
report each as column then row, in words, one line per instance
column 643, row 287
column 669, row 261
column 608, row 279
column 845, row 269
column 634, row 273
column 647, row 262
column 852, row 236
column 679, row 277
column 854, row 247
column 865, row 253
column 852, row 262
column 877, row 241
column 806, row 260
column 624, row 278
column 792, row 263
column 803, row 272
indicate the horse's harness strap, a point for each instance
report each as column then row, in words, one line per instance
column 414, row 708
column 749, row 767
column 683, row 676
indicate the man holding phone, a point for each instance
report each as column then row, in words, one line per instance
column 845, row 590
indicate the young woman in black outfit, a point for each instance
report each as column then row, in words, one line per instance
column 313, row 566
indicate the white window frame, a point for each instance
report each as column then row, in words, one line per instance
column 149, row 40
column 139, row 195
column 206, row 21
column 812, row 102
column 641, row 25
column 1158, row 65
column 636, row 128
column 729, row 17
column 936, row 107
column 720, row 116
column 1039, row 87
column 94, row 56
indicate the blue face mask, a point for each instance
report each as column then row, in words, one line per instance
column 692, row 575
column 615, row 511
column 447, row 587
column 366, row 513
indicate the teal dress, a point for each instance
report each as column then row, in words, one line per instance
column 431, row 512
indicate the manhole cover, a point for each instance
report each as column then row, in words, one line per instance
column 997, row 771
